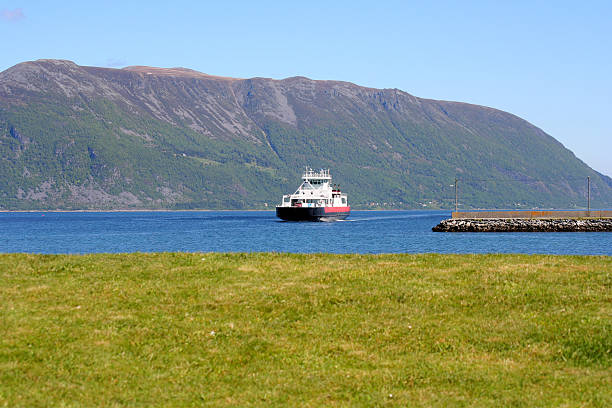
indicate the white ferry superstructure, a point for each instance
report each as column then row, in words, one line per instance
column 314, row 200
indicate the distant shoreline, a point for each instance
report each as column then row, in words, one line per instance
column 109, row 211
column 187, row 210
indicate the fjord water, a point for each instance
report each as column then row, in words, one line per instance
column 249, row 231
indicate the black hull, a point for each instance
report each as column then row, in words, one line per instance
column 310, row 214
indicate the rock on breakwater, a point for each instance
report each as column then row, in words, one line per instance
column 524, row 225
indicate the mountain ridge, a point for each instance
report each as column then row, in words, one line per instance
column 127, row 130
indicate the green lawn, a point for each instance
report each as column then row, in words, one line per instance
column 176, row 329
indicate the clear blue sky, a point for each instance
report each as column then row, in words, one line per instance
column 549, row 62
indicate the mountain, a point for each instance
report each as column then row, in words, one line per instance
column 78, row 137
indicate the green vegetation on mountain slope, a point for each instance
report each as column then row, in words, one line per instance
column 82, row 137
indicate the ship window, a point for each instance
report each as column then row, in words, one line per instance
column 343, row 200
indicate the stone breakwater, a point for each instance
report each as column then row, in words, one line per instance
column 524, row 225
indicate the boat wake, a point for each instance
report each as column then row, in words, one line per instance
column 391, row 217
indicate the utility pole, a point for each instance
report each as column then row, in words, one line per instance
column 456, row 194
column 589, row 196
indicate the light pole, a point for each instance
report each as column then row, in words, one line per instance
column 456, row 194
column 588, row 196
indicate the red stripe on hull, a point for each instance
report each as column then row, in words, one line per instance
column 337, row 209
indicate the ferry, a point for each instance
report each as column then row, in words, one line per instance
column 314, row 200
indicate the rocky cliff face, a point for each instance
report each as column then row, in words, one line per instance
column 143, row 137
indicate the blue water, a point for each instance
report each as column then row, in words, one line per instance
column 363, row 232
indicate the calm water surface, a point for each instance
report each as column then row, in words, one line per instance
column 363, row 232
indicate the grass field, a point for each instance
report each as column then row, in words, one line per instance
column 176, row 329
